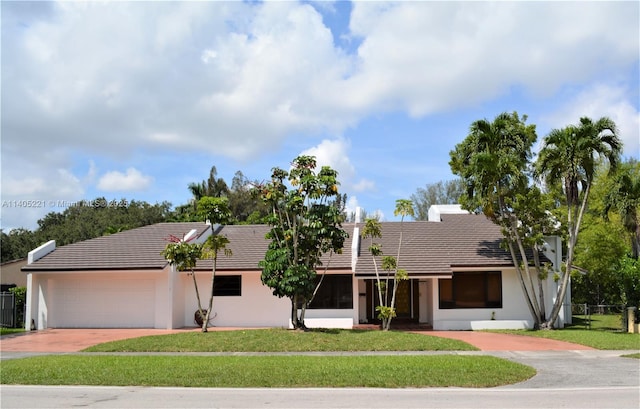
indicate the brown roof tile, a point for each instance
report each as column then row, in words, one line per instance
column 432, row 248
column 132, row 249
column 428, row 248
column 248, row 245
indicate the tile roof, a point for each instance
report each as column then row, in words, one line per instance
column 140, row 249
column 131, row 249
column 432, row 248
column 428, row 248
column 248, row 245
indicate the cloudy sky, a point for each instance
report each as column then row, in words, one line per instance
column 136, row 100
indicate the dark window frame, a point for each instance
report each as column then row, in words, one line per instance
column 227, row 286
column 453, row 292
column 335, row 293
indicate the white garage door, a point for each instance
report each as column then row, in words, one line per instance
column 101, row 303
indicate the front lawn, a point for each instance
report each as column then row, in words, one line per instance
column 282, row 340
column 599, row 339
column 389, row 371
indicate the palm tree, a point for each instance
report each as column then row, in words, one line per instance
column 212, row 187
column 569, row 156
column 493, row 163
column 624, row 196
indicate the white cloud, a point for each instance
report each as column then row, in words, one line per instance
column 601, row 100
column 30, row 195
column 364, row 185
column 236, row 79
column 428, row 57
column 335, row 153
column 351, row 205
column 132, row 180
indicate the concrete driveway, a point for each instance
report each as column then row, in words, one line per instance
column 71, row 340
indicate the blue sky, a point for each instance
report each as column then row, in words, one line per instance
column 136, row 100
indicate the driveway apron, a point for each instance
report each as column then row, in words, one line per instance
column 491, row 341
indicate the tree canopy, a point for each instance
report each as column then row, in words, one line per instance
column 442, row 192
column 494, row 164
column 305, row 225
column 569, row 158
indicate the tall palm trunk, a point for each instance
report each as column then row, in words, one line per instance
column 574, row 227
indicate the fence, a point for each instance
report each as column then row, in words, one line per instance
column 8, row 310
column 600, row 317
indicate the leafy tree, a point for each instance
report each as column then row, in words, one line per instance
column 442, row 192
column 630, row 288
column 17, row 244
column 213, row 210
column 184, row 256
column 245, row 206
column 569, row 158
column 493, row 162
column 598, row 254
column 20, row 294
column 394, row 275
column 305, row 226
column 624, row 196
column 603, row 244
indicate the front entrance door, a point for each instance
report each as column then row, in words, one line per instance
column 406, row 300
column 403, row 300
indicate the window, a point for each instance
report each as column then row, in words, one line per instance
column 225, row 286
column 471, row 290
column 336, row 292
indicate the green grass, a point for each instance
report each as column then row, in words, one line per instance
column 599, row 322
column 636, row 356
column 266, row 371
column 604, row 334
column 8, row 331
column 282, row 340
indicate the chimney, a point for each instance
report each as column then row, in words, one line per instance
column 38, row 253
column 435, row 211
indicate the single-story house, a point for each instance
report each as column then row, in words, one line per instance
column 459, row 278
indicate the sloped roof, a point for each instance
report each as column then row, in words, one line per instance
column 428, row 248
column 436, row 248
column 248, row 245
column 140, row 249
column 131, row 249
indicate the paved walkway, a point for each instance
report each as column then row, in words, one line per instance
column 491, row 341
column 74, row 340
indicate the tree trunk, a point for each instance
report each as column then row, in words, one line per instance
column 525, row 262
column 294, row 312
column 635, row 242
column 205, row 324
column 573, row 237
column 195, row 284
column 392, row 305
column 536, row 262
column 523, row 285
